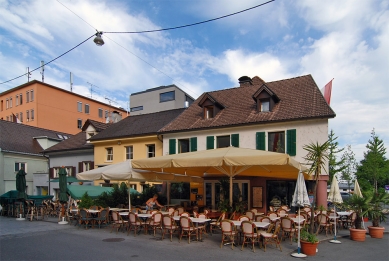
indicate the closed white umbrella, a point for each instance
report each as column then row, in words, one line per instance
column 334, row 196
column 300, row 199
column 358, row 192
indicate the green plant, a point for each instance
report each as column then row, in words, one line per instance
column 224, row 206
column 308, row 237
column 317, row 156
column 86, row 201
column 375, row 209
column 359, row 205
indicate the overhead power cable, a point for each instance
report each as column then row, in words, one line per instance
column 188, row 25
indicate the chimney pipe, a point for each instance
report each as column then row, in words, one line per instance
column 245, row 81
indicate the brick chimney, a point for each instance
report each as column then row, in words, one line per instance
column 245, row 81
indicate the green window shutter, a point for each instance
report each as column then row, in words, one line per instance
column 235, row 140
column 193, row 144
column 210, row 142
column 172, row 146
column 291, row 142
column 260, row 140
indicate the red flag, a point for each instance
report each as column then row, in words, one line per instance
column 327, row 92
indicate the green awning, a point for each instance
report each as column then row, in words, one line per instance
column 70, row 180
column 76, row 192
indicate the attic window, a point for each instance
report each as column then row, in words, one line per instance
column 208, row 112
column 264, row 105
column 60, row 136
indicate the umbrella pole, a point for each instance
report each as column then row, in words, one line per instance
column 129, row 196
column 298, row 237
column 335, row 240
column 231, row 190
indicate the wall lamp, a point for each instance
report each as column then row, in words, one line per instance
column 98, row 40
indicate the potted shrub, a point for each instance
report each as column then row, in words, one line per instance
column 376, row 214
column 359, row 205
column 308, row 242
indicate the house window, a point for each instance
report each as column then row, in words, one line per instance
column 183, row 146
column 208, row 112
column 129, row 152
column 27, row 96
column 32, row 95
column 7, row 118
column 79, row 106
column 276, row 141
column 32, row 115
column 223, row 141
column 87, row 108
column 265, row 105
column 151, row 151
column 28, row 115
column 167, row 96
column 86, row 165
column 6, row 103
column 139, row 108
column 106, row 114
column 20, row 165
column 10, row 102
column 21, row 117
column 17, row 100
column 17, row 116
column 109, row 153
column 21, row 99
column 100, row 113
column 79, row 123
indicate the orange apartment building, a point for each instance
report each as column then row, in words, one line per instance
column 45, row 106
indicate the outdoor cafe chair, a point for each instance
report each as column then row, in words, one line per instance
column 180, row 210
column 94, row 207
column 169, row 225
column 188, row 229
column 135, row 223
column 272, row 214
column 185, row 214
column 250, row 214
column 72, row 214
column 271, row 209
column 254, row 210
column 244, row 218
column 281, row 212
column 350, row 221
column 155, row 222
column 175, row 213
column 216, row 224
column 228, row 232
column 250, row 236
column 102, row 217
column 84, row 218
column 259, row 217
column 171, row 211
column 118, row 222
column 269, row 237
column 195, row 213
column 287, row 227
column 323, row 223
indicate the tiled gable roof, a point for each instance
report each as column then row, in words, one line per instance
column 99, row 126
column 19, row 138
column 77, row 142
column 138, row 125
column 300, row 98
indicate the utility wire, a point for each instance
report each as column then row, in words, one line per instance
column 76, row 15
column 51, row 60
column 137, row 32
column 188, row 25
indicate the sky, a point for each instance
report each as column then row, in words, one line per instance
column 346, row 41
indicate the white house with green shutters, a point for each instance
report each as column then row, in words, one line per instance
column 280, row 116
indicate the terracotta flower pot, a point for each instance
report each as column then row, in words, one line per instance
column 308, row 248
column 357, row 234
column 376, row 232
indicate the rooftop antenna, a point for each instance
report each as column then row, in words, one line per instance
column 71, row 82
column 28, row 74
column 43, row 70
column 91, row 86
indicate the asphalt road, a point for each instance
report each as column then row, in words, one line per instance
column 37, row 240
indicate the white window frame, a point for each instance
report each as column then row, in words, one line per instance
column 17, row 100
column 100, row 112
column 87, row 108
column 129, row 152
column 79, row 123
column 150, row 154
column 86, row 165
column 32, row 95
column 79, row 106
column 109, row 153
column 32, row 115
column 27, row 96
column 20, row 165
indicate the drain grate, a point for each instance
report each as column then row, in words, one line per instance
column 113, row 239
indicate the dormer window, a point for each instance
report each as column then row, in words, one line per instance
column 208, row 112
column 265, row 104
column 210, row 106
column 265, row 98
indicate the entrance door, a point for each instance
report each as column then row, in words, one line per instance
column 213, row 191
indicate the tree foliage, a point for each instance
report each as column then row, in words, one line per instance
column 349, row 166
column 373, row 170
column 335, row 166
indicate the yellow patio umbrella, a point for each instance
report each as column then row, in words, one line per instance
column 230, row 161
